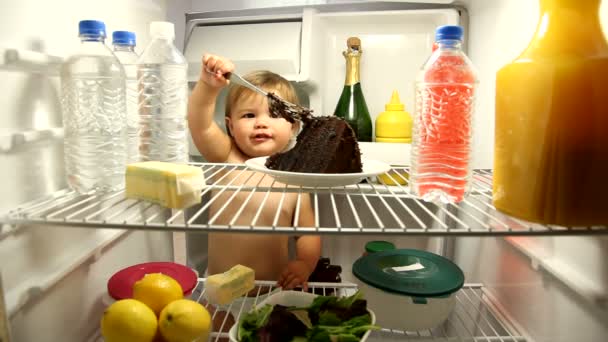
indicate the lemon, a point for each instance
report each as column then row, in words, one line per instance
column 128, row 320
column 184, row 320
column 156, row 290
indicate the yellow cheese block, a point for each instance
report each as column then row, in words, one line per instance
column 223, row 288
column 398, row 178
column 170, row 185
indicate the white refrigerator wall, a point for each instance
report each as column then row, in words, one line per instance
column 54, row 277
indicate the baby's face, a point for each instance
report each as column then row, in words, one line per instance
column 256, row 132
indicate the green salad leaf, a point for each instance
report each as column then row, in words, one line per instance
column 327, row 319
column 252, row 321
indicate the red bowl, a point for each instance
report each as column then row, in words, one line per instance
column 120, row 285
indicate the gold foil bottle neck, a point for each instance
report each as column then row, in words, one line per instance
column 353, row 57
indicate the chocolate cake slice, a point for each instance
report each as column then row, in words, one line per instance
column 326, row 144
column 286, row 110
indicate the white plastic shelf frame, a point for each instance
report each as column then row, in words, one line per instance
column 366, row 208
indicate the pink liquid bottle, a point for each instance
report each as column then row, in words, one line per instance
column 442, row 132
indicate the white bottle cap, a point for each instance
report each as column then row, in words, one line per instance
column 162, row 29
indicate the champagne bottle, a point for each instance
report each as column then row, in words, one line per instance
column 351, row 105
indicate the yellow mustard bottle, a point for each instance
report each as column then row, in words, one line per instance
column 551, row 138
column 394, row 125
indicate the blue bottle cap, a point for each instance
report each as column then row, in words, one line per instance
column 92, row 28
column 452, row 32
column 126, row 38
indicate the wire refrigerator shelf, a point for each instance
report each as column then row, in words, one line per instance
column 232, row 190
column 476, row 316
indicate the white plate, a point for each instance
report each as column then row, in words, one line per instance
column 370, row 168
column 292, row 298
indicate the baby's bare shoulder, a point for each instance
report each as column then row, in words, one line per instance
column 236, row 156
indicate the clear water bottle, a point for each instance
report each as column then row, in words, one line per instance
column 441, row 142
column 163, row 98
column 124, row 49
column 94, row 120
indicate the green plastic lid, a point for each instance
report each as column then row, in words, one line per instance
column 410, row 272
column 378, row 246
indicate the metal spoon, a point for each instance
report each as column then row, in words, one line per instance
column 278, row 107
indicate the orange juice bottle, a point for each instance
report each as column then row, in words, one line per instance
column 551, row 147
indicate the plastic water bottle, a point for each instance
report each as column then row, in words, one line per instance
column 163, row 85
column 94, row 120
column 445, row 99
column 124, row 49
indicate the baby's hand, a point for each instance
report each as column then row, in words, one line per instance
column 214, row 69
column 296, row 273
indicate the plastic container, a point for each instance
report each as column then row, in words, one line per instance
column 120, row 284
column 162, row 74
column 124, row 49
column 394, row 125
column 378, row 246
column 445, row 99
column 124, row 43
column 408, row 289
column 94, row 120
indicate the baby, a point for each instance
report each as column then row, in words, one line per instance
column 252, row 131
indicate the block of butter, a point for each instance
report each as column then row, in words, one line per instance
column 223, row 288
column 168, row 184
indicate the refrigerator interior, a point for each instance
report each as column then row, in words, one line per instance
column 545, row 288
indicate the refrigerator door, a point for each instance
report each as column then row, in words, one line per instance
column 53, row 275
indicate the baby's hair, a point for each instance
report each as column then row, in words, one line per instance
column 266, row 80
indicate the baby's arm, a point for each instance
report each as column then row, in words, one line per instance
column 308, row 251
column 211, row 141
